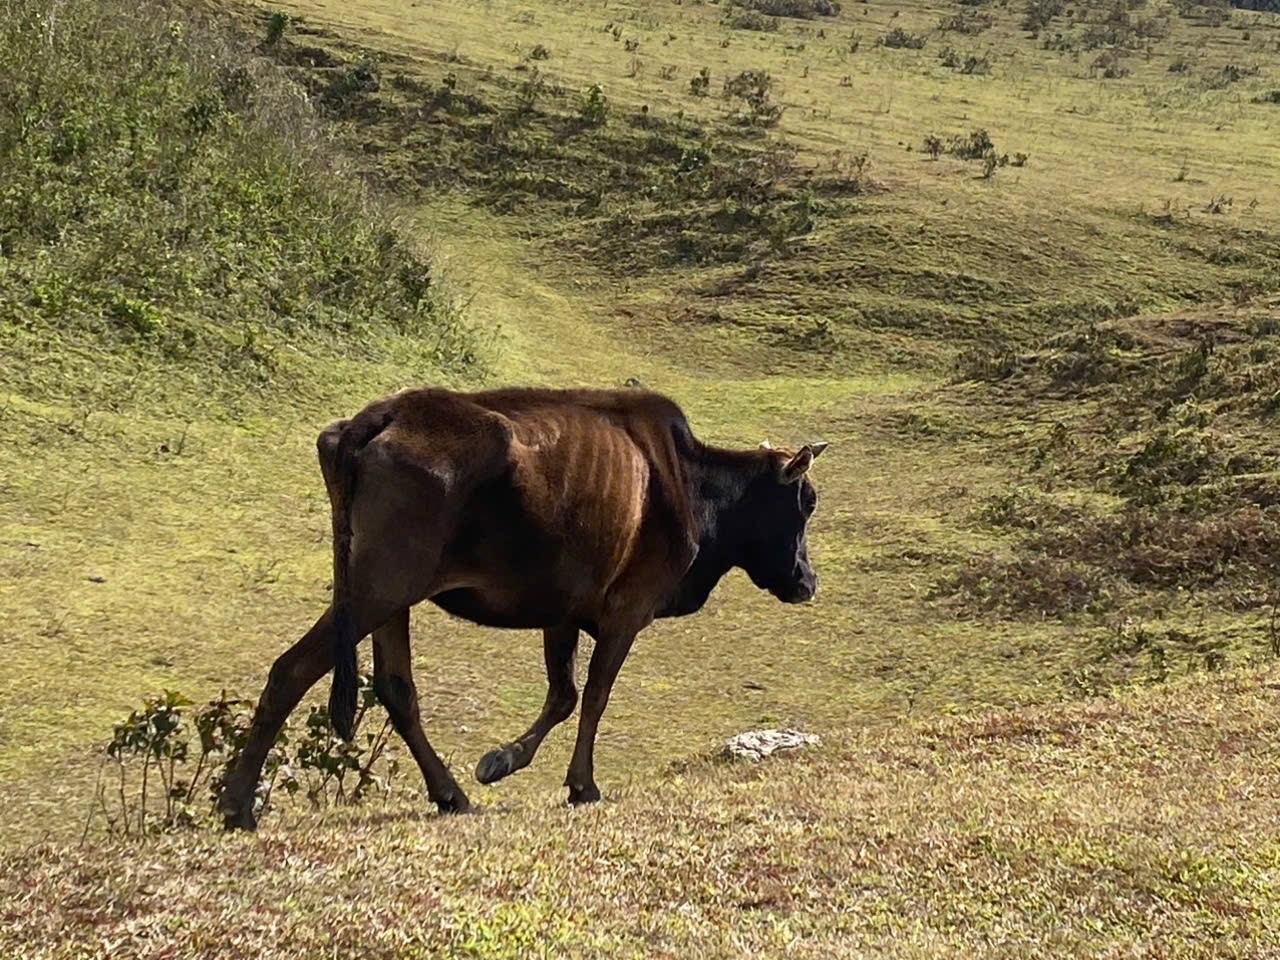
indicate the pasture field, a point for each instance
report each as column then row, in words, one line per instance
column 1046, row 357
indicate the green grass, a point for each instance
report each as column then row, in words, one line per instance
column 987, row 356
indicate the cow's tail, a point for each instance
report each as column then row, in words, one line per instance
column 338, row 463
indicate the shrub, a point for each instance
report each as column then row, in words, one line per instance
column 752, row 87
column 169, row 763
column 700, row 85
column 539, row 52
column 973, row 147
column 796, row 9
column 1228, row 74
column 899, row 39
column 985, row 364
column 595, row 107
column 969, row 64
column 1040, row 14
column 277, row 24
column 752, row 20
column 1110, row 64
column 966, row 21
column 1174, row 456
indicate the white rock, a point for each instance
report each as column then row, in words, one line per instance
column 758, row 744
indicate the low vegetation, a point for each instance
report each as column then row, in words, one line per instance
column 159, row 210
column 1081, row 831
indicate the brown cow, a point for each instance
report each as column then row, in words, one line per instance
column 567, row 511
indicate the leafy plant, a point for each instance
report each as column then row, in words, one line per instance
column 701, row 84
column 796, row 9
column 752, row 88
column 595, row 107
column 277, row 24
column 165, row 757
column 752, row 20
column 966, row 21
column 975, row 146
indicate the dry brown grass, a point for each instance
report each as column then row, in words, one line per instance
column 1143, row 826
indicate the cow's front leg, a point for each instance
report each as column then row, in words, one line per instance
column 559, row 644
column 606, row 660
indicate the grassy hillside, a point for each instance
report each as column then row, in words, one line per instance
column 175, row 234
column 1144, row 826
column 846, row 240
column 1050, row 385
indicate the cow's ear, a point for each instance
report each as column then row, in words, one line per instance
column 818, row 447
column 798, row 465
column 766, row 445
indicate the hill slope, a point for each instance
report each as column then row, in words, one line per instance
column 1045, row 482
column 1141, row 826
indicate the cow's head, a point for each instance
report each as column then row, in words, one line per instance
column 776, row 508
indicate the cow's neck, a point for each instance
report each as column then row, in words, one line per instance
column 717, row 481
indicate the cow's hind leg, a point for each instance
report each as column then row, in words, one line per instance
column 393, row 683
column 292, row 675
column 559, row 645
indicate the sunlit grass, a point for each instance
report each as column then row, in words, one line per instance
column 144, row 548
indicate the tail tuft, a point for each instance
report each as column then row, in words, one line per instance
column 342, row 696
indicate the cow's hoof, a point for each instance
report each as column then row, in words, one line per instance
column 587, row 794
column 496, row 764
column 455, row 804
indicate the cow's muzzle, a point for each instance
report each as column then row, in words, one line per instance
column 798, row 591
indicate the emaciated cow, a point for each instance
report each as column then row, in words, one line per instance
column 560, row 510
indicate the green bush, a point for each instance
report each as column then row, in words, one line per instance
column 165, row 195
column 899, row 39
column 168, row 758
column 595, row 106
column 797, row 9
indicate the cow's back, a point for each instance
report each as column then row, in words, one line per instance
column 594, row 467
column 592, row 492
